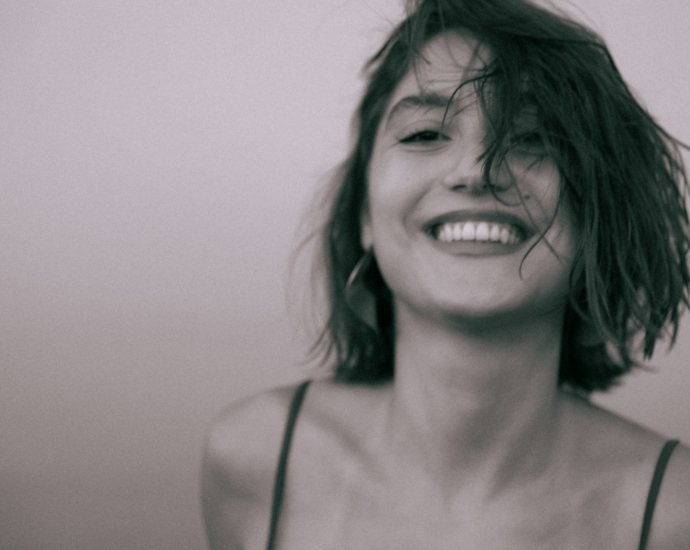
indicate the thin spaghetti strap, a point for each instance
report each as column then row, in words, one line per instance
column 279, row 485
column 654, row 490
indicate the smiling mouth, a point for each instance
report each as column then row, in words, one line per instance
column 478, row 231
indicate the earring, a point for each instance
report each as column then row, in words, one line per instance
column 359, row 290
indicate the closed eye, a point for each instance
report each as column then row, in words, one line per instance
column 529, row 139
column 529, row 143
column 424, row 136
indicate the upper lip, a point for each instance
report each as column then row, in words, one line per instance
column 492, row 216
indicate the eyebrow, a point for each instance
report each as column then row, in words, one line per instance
column 431, row 100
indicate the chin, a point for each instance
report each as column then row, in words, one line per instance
column 488, row 310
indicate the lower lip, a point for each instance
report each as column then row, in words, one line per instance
column 477, row 248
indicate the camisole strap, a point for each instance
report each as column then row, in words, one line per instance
column 659, row 471
column 281, row 472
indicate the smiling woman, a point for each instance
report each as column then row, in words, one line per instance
column 508, row 225
column 426, row 184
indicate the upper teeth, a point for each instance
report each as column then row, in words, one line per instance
column 477, row 231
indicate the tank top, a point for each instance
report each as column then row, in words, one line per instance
column 281, row 473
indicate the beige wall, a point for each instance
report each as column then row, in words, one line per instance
column 154, row 160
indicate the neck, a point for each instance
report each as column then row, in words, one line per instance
column 482, row 399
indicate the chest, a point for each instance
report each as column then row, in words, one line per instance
column 352, row 509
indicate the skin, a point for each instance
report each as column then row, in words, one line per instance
column 473, row 445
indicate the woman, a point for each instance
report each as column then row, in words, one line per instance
column 509, row 228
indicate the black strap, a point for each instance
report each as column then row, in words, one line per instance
column 654, row 490
column 279, row 486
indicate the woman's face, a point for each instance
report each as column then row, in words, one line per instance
column 445, row 244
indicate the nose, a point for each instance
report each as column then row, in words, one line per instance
column 465, row 170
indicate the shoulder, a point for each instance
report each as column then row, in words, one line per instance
column 240, row 457
column 617, row 460
column 671, row 522
column 247, row 435
column 624, row 450
column 243, row 445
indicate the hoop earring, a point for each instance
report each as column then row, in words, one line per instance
column 359, row 294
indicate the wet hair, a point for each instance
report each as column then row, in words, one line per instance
column 622, row 176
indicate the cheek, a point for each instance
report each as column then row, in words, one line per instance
column 540, row 194
column 540, row 187
column 385, row 197
column 395, row 186
column 551, row 261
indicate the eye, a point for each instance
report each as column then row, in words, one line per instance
column 529, row 139
column 425, row 136
column 528, row 143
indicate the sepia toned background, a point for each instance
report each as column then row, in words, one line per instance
column 156, row 159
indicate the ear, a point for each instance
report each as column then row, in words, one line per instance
column 366, row 236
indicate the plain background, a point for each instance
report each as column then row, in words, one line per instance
column 156, row 158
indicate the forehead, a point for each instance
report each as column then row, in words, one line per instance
column 445, row 63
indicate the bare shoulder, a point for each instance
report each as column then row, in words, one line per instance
column 619, row 446
column 612, row 440
column 238, row 467
column 671, row 522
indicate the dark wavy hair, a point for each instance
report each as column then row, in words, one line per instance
column 622, row 175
